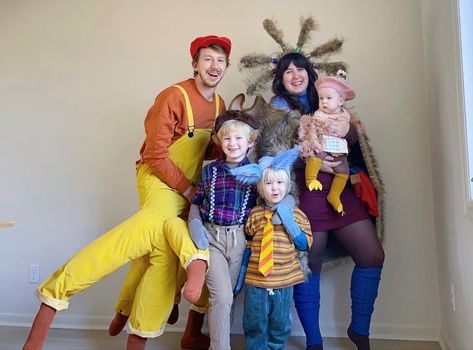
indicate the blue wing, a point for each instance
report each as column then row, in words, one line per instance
column 248, row 174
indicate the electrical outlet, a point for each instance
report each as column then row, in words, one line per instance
column 452, row 296
column 33, row 276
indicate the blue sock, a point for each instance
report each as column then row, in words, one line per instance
column 307, row 301
column 364, row 290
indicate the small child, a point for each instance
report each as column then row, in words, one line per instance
column 273, row 266
column 323, row 133
column 217, row 216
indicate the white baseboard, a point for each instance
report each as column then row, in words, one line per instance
column 444, row 341
column 378, row 331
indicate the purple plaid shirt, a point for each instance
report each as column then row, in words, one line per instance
column 229, row 195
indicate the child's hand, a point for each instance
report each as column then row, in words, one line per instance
column 199, row 234
column 294, row 231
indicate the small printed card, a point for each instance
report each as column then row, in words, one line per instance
column 333, row 144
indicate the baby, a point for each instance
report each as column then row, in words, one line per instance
column 322, row 134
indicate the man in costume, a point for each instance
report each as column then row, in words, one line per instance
column 178, row 127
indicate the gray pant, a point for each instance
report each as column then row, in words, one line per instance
column 226, row 251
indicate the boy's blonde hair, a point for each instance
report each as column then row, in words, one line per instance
column 271, row 174
column 236, row 125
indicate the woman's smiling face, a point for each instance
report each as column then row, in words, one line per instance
column 295, row 79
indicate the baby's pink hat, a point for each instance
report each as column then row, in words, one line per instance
column 340, row 85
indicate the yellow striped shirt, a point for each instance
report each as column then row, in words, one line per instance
column 287, row 270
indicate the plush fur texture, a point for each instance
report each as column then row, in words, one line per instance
column 329, row 48
column 280, row 129
column 311, row 132
column 279, row 132
column 372, row 171
column 307, row 26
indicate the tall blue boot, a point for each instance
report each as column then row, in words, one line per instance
column 307, row 301
column 364, row 290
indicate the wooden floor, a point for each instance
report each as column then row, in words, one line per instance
column 12, row 338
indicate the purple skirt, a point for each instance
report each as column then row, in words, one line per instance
column 320, row 213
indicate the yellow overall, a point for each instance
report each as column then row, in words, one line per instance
column 154, row 233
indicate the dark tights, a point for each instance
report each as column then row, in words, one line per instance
column 360, row 241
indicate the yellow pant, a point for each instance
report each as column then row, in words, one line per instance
column 152, row 233
column 137, row 269
column 156, row 290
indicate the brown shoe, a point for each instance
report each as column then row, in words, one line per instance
column 174, row 316
column 135, row 342
column 117, row 324
column 193, row 338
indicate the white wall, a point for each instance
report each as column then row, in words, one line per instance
column 454, row 230
column 77, row 79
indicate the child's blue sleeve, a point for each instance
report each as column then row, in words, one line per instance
column 241, row 276
column 295, row 232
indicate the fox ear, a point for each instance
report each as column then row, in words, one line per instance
column 237, row 103
column 255, row 110
column 215, row 139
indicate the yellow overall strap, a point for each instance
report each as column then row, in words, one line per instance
column 190, row 114
column 217, row 104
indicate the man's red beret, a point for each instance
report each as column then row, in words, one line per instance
column 205, row 41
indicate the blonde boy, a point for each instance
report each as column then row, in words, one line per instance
column 273, row 266
column 217, row 216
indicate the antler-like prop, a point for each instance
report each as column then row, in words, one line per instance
column 274, row 32
column 260, row 82
column 254, row 60
column 318, row 56
column 307, row 25
column 327, row 49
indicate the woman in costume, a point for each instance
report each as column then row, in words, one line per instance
column 335, row 236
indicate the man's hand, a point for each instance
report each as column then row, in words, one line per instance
column 189, row 193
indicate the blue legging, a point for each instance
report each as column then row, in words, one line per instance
column 360, row 241
column 307, row 301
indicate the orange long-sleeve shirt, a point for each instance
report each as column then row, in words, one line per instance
column 166, row 122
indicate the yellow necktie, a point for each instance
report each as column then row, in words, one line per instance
column 265, row 264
